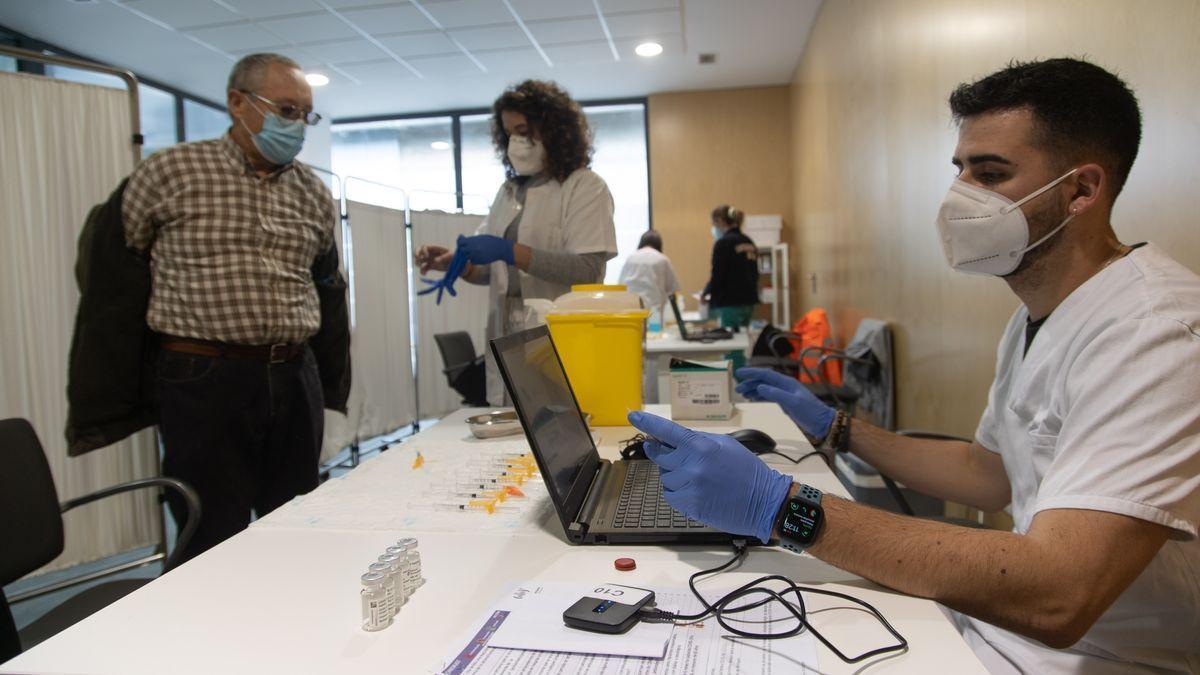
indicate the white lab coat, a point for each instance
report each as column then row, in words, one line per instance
column 575, row 216
column 1101, row 414
column 649, row 274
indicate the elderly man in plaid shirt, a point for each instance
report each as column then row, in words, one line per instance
column 232, row 226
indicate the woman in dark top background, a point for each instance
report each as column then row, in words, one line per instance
column 732, row 290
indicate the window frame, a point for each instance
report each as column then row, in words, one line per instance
column 456, row 115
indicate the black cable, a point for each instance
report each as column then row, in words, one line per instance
column 801, row 458
column 721, row 608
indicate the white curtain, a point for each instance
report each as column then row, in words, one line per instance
column 382, row 398
column 468, row 311
column 63, row 148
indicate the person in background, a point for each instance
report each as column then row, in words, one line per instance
column 550, row 225
column 232, row 227
column 732, row 289
column 1091, row 432
column 648, row 273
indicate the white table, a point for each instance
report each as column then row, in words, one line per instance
column 285, row 600
column 661, row 347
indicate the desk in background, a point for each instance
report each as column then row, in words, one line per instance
column 282, row 598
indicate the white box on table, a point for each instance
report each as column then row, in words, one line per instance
column 701, row 390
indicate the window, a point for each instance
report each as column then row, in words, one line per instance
column 8, row 64
column 157, row 118
column 482, row 173
column 413, row 154
column 202, row 121
column 416, row 154
column 619, row 133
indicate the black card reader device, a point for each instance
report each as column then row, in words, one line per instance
column 609, row 609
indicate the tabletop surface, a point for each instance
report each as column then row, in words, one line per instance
column 282, row 596
column 670, row 342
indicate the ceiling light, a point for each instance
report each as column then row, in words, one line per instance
column 648, row 49
column 316, row 79
column 440, row 145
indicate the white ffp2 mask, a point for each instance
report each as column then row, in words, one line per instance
column 527, row 156
column 984, row 232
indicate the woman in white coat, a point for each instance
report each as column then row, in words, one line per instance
column 551, row 223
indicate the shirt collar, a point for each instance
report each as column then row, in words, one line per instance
column 238, row 157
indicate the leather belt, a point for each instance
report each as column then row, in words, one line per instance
column 277, row 353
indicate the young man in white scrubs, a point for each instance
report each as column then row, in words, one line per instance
column 1092, row 429
column 649, row 273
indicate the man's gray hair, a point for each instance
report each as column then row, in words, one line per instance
column 250, row 71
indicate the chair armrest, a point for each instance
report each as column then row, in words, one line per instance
column 932, row 435
column 189, row 497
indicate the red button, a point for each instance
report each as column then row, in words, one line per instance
column 625, row 564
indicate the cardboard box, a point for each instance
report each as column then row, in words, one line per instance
column 701, row 390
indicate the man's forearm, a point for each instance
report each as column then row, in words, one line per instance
column 950, row 470
column 1000, row 577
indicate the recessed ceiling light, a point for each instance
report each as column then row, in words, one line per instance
column 440, row 145
column 316, row 79
column 648, row 49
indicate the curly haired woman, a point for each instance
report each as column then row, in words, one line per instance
column 551, row 224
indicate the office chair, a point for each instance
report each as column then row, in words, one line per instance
column 464, row 369
column 31, row 527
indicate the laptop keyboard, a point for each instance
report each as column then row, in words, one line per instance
column 642, row 506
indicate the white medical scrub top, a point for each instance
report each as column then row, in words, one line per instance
column 574, row 216
column 1103, row 414
column 649, row 274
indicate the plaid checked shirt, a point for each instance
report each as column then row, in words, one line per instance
column 230, row 252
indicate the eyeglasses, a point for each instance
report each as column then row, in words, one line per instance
column 290, row 112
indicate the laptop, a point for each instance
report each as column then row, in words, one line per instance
column 706, row 335
column 598, row 501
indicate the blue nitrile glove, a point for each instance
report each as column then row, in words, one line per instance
column 484, row 249
column 806, row 410
column 712, row 478
column 457, row 264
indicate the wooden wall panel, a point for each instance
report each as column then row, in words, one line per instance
column 715, row 147
column 871, row 144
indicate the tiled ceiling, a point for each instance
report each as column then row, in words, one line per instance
column 385, row 56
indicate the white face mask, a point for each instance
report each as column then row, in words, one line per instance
column 528, row 156
column 984, row 232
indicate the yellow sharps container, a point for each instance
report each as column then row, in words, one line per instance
column 600, row 332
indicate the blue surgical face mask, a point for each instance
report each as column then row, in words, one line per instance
column 280, row 140
column 716, row 232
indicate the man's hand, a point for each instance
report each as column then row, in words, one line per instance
column 806, row 410
column 712, row 478
column 485, row 249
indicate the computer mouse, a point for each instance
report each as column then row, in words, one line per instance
column 754, row 440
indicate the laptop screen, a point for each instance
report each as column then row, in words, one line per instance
column 553, row 424
column 678, row 317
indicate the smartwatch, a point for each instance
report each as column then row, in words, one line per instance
column 801, row 519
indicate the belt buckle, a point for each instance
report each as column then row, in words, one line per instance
column 279, row 353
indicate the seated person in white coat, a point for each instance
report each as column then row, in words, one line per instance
column 1092, row 428
column 551, row 224
column 648, row 273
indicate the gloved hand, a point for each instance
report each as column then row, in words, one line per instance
column 712, row 478
column 457, row 264
column 484, row 249
column 806, row 410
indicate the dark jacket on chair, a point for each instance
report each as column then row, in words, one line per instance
column 110, row 381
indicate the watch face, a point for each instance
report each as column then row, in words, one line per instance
column 801, row 522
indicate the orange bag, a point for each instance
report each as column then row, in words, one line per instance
column 814, row 331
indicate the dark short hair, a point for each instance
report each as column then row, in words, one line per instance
column 652, row 239
column 556, row 116
column 1081, row 110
